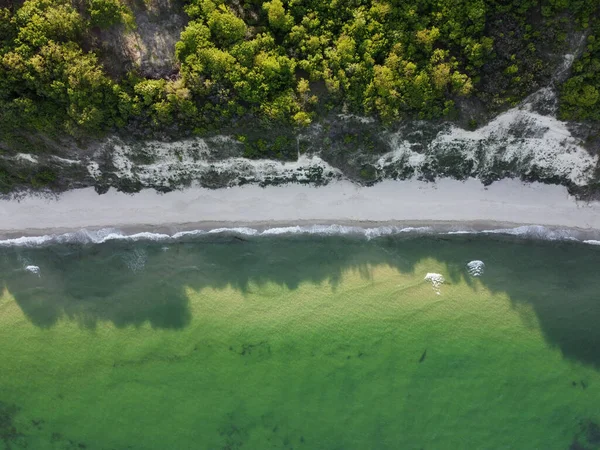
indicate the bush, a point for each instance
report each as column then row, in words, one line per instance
column 226, row 27
column 43, row 178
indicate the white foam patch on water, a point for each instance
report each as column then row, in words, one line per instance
column 436, row 281
column 238, row 230
column 29, row 241
column 591, row 242
column 332, row 230
column 371, row 233
column 476, row 268
column 190, row 233
column 326, row 230
column 33, row 269
column 535, row 231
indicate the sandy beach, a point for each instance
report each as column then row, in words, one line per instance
column 505, row 202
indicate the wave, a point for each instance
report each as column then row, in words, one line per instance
column 104, row 235
column 591, row 242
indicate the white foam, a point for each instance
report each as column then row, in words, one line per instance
column 27, row 241
column 283, row 230
column 111, row 234
column 182, row 234
column 33, row 269
column 591, row 242
column 237, row 230
column 145, row 236
column 476, row 268
column 535, row 231
column 326, row 230
column 436, row 280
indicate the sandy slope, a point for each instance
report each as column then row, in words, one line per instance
column 507, row 201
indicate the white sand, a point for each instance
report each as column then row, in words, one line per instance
column 507, row 201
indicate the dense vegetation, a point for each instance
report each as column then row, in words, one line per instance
column 581, row 93
column 290, row 61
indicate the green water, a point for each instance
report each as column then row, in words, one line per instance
column 301, row 342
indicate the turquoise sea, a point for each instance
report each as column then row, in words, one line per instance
column 300, row 341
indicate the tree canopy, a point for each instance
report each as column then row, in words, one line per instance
column 289, row 61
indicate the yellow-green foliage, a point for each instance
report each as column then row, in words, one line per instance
column 375, row 57
column 105, row 13
column 278, row 19
column 288, row 61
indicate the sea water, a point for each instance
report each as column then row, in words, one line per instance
column 293, row 339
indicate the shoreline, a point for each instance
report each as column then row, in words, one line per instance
column 447, row 204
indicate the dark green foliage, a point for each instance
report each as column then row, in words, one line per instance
column 6, row 182
column 580, row 95
column 282, row 147
column 385, row 58
column 43, row 177
column 47, row 82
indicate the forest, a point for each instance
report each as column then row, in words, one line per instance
column 291, row 62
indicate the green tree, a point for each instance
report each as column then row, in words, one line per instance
column 225, row 26
column 278, row 19
column 105, row 13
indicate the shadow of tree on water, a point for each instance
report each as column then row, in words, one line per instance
column 145, row 282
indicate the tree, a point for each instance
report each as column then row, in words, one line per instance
column 226, row 27
column 105, row 13
column 278, row 19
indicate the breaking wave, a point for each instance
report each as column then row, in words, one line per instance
column 101, row 236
